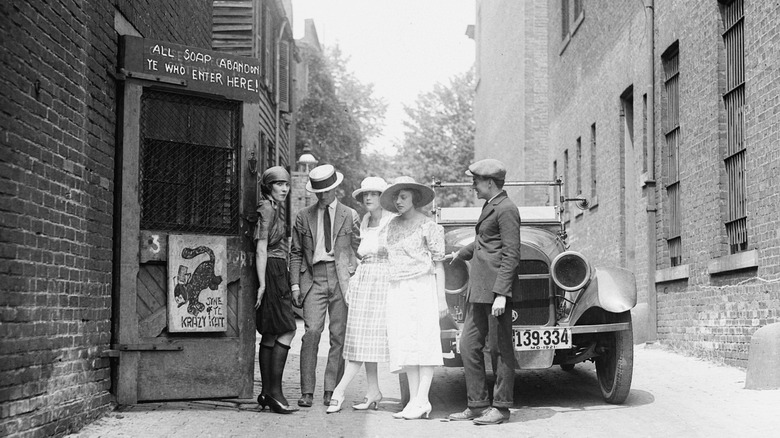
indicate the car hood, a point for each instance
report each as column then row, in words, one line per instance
column 537, row 243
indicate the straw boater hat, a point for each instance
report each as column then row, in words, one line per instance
column 387, row 200
column 323, row 178
column 370, row 184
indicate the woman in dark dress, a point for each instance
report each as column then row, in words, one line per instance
column 274, row 316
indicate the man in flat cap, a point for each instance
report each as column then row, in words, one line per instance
column 325, row 239
column 494, row 255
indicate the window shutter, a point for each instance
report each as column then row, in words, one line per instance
column 284, row 76
column 268, row 36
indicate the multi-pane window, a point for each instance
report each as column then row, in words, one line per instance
column 593, row 173
column 734, row 99
column 672, row 132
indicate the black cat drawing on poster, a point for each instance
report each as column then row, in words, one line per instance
column 189, row 287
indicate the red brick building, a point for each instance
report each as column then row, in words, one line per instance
column 83, row 299
column 664, row 115
column 510, row 104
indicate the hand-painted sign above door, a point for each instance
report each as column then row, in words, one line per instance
column 197, row 283
column 208, row 71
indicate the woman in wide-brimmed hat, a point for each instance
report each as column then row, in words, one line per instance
column 415, row 299
column 366, row 336
column 274, row 316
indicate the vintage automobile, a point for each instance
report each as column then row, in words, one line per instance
column 564, row 310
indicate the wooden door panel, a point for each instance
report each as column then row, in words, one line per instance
column 204, row 368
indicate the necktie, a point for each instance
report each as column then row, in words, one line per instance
column 326, row 226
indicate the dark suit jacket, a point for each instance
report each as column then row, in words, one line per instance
column 495, row 252
column 346, row 230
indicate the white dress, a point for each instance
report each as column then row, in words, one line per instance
column 412, row 302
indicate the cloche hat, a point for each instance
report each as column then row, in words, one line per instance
column 274, row 174
column 323, row 178
column 370, row 184
column 387, row 200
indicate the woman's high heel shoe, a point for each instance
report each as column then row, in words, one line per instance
column 262, row 401
column 368, row 403
column 417, row 412
column 335, row 404
column 277, row 406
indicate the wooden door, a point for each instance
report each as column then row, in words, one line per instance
column 154, row 362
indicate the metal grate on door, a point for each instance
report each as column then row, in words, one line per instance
column 189, row 170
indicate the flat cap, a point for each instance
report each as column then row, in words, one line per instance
column 488, row 168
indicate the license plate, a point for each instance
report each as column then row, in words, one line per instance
column 542, row 339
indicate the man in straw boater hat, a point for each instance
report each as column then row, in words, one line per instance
column 494, row 255
column 325, row 239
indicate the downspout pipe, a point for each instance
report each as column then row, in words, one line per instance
column 650, row 180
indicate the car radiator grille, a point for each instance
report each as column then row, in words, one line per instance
column 531, row 301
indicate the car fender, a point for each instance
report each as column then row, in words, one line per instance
column 611, row 288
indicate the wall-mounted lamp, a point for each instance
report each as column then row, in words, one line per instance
column 252, row 163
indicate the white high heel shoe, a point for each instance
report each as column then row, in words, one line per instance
column 417, row 412
column 369, row 402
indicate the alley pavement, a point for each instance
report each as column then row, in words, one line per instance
column 672, row 395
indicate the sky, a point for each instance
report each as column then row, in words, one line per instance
column 403, row 47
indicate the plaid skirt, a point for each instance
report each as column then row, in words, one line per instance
column 366, row 336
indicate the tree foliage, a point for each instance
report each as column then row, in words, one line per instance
column 439, row 138
column 338, row 117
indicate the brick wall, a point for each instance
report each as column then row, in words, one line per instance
column 589, row 72
column 708, row 314
column 715, row 315
column 57, row 129
column 512, row 65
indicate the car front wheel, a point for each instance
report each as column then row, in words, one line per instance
column 615, row 364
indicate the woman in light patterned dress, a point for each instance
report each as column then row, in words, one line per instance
column 415, row 298
column 365, row 341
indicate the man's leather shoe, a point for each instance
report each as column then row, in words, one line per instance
column 492, row 416
column 305, row 401
column 468, row 414
column 326, row 398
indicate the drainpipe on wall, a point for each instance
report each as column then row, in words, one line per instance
column 650, row 184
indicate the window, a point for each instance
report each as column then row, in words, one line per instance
column 644, row 133
column 578, row 165
column 572, row 14
column 593, row 173
column 734, row 98
column 188, row 153
column 566, row 173
column 672, row 132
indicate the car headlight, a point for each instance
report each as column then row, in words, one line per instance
column 570, row 271
column 456, row 277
